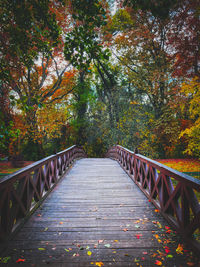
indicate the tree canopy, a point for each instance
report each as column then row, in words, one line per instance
column 98, row 73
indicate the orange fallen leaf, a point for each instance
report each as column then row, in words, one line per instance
column 156, row 210
column 60, row 222
column 179, row 249
column 125, row 229
column 190, row 264
column 99, row 263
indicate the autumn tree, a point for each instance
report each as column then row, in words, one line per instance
column 184, row 43
column 35, row 59
column 82, row 46
column 183, row 39
column 27, row 28
column 141, row 46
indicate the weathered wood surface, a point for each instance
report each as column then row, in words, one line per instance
column 96, row 207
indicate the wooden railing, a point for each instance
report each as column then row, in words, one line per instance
column 174, row 194
column 21, row 191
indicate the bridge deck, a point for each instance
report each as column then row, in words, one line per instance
column 97, row 209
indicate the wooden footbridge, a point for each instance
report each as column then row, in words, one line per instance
column 123, row 210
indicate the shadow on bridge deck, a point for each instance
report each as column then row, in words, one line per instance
column 97, row 216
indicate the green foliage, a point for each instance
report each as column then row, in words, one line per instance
column 27, row 28
column 82, row 44
column 7, row 132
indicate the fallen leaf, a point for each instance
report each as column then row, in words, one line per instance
column 107, row 245
column 100, row 241
column 46, row 229
column 99, row 263
column 5, row 259
column 169, row 256
column 41, row 248
column 116, row 241
column 137, row 226
column 156, row 210
column 20, row 260
column 190, row 263
column 89, row 253
column 138, row 236
column 144, row 253
column 179, row 249
column 167, row 250
column 60, row 222
column 125, row 229
column 158, row 262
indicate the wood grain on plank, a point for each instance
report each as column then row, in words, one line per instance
column 96, row 207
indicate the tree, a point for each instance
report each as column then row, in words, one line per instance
column 158, row 8
column 27, row 28
column 141, row 46
column 184, row 39
column 191, row 90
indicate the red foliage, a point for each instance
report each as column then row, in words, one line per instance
column 184, row 39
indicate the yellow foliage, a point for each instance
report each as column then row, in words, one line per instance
column 191, row 90
column 50, row 120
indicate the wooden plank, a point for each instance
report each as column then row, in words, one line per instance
column 96, row 208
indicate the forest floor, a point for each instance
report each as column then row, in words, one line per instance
column 189, row 166
column 6, row 167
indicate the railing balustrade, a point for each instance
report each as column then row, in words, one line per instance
column 174, row 194
column 21, row 191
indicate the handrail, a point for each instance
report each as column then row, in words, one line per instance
column 21, row 191
column 173, row 193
